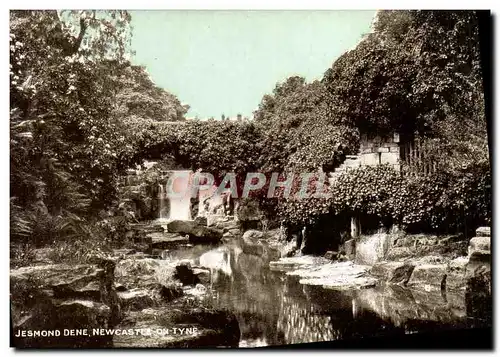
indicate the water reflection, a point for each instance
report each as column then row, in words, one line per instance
column 273, row 309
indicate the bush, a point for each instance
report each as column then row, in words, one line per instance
column 439, row 203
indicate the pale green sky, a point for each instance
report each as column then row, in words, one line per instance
column 225, row 61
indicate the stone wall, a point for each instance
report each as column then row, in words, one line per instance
column 378, row 150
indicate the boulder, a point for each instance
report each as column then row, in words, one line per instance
column 61, row 296
column 120, row 287
column 234, row 231
column 137, row 273
column 201, row 221
column 478, row 296
column 252, row 235
column 227, row 226
column 400, row 253
column 350, row 248
column 483, row 232
column 183, row 227
column 184, row 272
column 137, row 299
column 455, row 274
column 202, row 275
column 167, row 240
column 428, row 277
column 205, row 235
column 197, row 233
column 170, row 292
column 393, row 272
column 372, row 248
column 336, row 276
column 480, row 244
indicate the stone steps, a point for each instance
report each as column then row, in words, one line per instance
column 351, row 162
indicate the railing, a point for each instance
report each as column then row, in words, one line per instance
column 417, row 158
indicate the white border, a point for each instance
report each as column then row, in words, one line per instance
column 202, row 4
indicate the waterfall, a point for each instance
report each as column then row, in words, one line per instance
column 302, row 234
column 162, row 214
column 180, row 208
column 175, row 206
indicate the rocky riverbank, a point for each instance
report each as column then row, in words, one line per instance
column 404, row 287
column 131, row 299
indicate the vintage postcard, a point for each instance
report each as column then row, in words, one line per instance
column 241, row 179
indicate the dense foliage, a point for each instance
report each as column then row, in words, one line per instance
column 139, row 98
column 300, row 129
column 81, row 114
column 417, row 73
column 68, row 129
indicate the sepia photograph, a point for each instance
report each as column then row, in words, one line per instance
column 192, row 179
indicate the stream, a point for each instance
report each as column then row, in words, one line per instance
column 274, row 309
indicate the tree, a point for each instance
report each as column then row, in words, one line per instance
column 140, row 98
column 415, row 70
column 300, row 130
column 64, row 140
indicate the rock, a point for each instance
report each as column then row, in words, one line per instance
column 250, row 242
column 428, row 259
column 137, row 299
column 373, row 248
column 480, row 244
column 400, row 253
column 167, row 240
column 227, row 225
column 330, row 255
column 202, row 275
column 350, row 248
column 49, row 297
column 207, row 328
column 293, row 263
column 455, row 274
column 185, row 274
column 197, row 233
column 483, row 232
column 120, row 287
column 478, row 297
column 198, row 291
column 137, row 273
column 342, row 258
column 252, row 235
column 170, row 292
column 205, row 235
column 338, row 276
column 428, row 277
column 402, row 306
column 393, row 272
column 183, row 227
column 42, row 255
column 201, row 220
column 234, row 231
